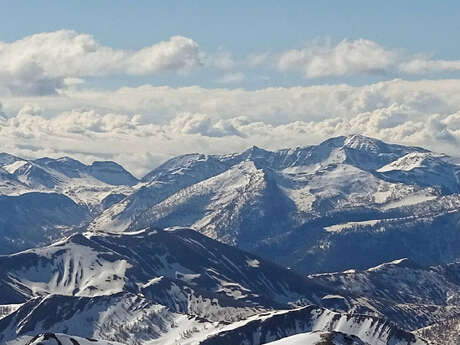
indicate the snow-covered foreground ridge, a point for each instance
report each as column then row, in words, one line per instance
column 313, row 325
column 177, row 287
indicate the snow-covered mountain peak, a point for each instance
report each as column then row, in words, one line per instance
column 12, row 167
column 413, row 160
column 96, row 186
column 111, row 173
column 61, row 164
column 363, row 143
column 49, row 172
column 255, row 152
column 194, row 166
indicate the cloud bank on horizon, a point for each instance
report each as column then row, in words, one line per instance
column 47, row 108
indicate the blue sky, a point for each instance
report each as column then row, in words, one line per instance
column 242, row 28
column 241, row 25
column 143, row 81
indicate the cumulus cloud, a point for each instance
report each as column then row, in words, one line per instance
column 140, row 127
column 353, row 57
column 270, row 105
column 48, row 63
column 205, row 125
column 453, row 121
column 42, row 63
column 177, row 53
column 345, row 58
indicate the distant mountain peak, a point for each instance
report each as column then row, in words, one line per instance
column 67, row 159
column 361, row 142
column 414, row 160
column 255, row 149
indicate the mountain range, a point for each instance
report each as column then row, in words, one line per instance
column 365, row 236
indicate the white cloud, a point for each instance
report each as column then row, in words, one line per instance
column 42, row 63
column 204, row 125
column 47, row 63
column 177, row 53
column 453, row 121
column 426, row 66
column 361, row 56
column 142, row 126
column 345, row 58
column 270, row 105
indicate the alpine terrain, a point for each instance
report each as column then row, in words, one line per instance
column 352, row 241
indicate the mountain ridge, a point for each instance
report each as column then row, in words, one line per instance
column 135, row 287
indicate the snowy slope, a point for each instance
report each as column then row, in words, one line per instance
column 243, row 197
column 75, row 267
column 402, row 291
column 269, row 327
column 130, row 319
column 348, row 203
column 124, row 318
column 190, row 274
column 161, row 183
column 176, row 286
column 9, row 185
column 138, row 287
column 307, row 176
column 180, row 269
column 425, row 169
column 318, row 338
column 101, row 264
column 401, row 281
column 446, row 332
